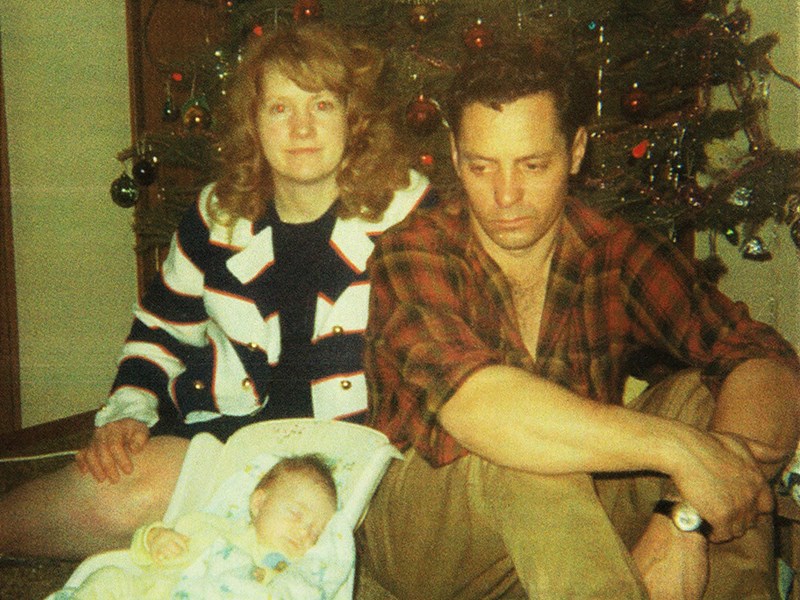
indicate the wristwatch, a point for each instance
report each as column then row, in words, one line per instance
column 683, row 516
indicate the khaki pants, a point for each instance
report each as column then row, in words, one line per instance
column 472, row 530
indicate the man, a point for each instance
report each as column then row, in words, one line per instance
column 502, row 330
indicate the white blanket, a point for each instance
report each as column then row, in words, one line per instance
column 218, row 478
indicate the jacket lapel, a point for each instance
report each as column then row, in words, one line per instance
column 257, row 256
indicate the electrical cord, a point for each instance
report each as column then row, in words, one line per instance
column 46, row 455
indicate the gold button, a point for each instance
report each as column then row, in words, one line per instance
column 247, row 383
column 252, row 346
column 346, row 384
column 338, row 330
column 199, row 385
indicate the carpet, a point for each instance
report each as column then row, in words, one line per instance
column 33, row 578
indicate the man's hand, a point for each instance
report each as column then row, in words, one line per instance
column 770, row 459
column 111, row 448
column 166, row 544
column 673, row 564
column 724, row 482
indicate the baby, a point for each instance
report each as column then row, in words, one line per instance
column 207, row 556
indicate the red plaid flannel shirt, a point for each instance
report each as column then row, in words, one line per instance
column 441, row 309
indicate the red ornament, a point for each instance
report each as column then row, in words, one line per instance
column 538, row 45
column 307, row 10
column 640, row 149
column 422, row 115
column 258, row 30
column 196, row 114
column 176, row 76
column 478, row 36
column 635, row 102
column 427, row 160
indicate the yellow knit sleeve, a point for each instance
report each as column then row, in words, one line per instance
column 140, row 553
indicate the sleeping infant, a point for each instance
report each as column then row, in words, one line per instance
column 208, row 556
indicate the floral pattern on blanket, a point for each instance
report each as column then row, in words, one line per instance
column 223, row 571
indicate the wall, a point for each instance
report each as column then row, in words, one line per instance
column 772, row 289
column 66, row 82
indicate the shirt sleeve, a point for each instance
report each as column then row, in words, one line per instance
column 169, row 325
column 677, row 309
column 140, row 551
column 419, row 345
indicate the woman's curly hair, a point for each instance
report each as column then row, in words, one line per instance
column 316, row 57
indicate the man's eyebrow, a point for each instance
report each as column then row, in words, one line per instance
column 476, row 156
column 532, row 156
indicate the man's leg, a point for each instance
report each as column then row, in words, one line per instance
column 743, row 569
column 422, row 538
column 460, row 530
column 70, row 515
column 559, row 536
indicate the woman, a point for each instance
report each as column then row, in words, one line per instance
column 262, row 301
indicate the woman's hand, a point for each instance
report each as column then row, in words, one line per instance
column 110, row 451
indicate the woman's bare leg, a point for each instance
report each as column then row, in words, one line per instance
column 67, row 514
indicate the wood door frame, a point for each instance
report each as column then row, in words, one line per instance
column 161, row 34
column 10, row 409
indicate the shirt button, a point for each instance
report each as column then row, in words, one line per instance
column 346, row 384
column 199, row 385
column 338, row 330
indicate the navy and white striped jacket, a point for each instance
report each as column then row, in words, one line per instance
column 206, row 335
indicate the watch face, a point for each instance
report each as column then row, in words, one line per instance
column 686, row 518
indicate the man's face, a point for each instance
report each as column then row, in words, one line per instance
column 290, row 514
column 514, row 165
column 302, row 133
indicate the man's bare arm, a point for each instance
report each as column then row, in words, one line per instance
column 515, row 419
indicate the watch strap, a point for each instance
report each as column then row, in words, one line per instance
column 683, row 516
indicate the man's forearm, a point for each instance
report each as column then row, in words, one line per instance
column 517, row 420
column 521, row 421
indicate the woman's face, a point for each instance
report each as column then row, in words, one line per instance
column 302, row 133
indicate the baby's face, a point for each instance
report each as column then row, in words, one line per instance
column 291, row 513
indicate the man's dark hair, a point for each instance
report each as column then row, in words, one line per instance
column 504, row 73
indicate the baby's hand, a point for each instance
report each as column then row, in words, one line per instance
column 166, row 544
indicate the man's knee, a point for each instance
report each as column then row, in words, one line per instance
column 681, row 396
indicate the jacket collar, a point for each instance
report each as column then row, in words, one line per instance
column 351, row 238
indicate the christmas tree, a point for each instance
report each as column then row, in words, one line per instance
column 666, row 149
